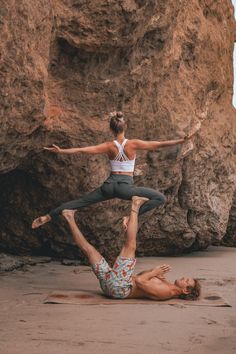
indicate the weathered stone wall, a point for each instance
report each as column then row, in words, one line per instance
column 25, row 41
column 230, row 236
column 166, row 64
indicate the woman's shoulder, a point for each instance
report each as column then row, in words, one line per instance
column 133, row 142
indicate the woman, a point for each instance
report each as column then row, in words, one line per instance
column 122, row 154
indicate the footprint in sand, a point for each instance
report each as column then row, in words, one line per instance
column 209, row 321
column 196, row 340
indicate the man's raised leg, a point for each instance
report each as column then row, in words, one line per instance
column 88, row 250
column 129, row 247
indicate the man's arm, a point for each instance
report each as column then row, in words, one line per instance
column 151, row 289
column 155, row 272
column 96, row 149
column 154, row 291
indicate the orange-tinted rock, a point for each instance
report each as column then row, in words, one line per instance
column 166, row 64
column 25, row 38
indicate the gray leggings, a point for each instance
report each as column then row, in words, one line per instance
column 116, row 186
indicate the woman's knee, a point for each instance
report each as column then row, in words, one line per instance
column 161, row 199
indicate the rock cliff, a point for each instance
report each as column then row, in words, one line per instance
column 166, row 64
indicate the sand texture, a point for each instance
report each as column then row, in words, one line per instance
column 31, row 327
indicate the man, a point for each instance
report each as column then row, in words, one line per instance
column 119, row 282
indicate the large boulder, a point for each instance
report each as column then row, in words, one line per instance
column 167, row 65
column 26, row 29
column 230, row 236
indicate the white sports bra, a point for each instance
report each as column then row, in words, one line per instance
column 121, row 162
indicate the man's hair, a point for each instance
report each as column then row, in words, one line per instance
column 117, row 122
column 194, row 291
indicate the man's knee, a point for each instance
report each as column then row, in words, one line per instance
column 130, row 247
column 88, row 250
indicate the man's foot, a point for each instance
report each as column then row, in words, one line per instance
column 125, row 222
column 68, row 214
column 137, row 202
column 40, row 221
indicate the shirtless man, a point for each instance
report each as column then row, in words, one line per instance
column 119, row 282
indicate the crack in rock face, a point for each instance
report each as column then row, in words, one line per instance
column 167, row 65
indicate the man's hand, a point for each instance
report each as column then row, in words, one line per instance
column 161, row 270
column 147, row 275
column 56, row 149
column 193, row 132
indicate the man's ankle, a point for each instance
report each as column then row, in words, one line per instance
column 135, row 210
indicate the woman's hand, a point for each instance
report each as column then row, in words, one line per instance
column 56, row 149
column 193, row 132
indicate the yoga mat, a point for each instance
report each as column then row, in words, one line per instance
column 95, row 298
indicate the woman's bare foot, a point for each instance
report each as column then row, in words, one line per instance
column 68, row 214
column 40, row 221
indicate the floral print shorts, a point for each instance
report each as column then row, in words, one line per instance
column 116, row 282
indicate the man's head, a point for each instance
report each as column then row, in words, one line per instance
column 190, row 288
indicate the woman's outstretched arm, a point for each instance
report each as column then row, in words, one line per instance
column 152, row 145
column 96, row 149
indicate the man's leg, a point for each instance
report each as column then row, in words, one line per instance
column 88, row 250
column 129, row 247
column 155, row 199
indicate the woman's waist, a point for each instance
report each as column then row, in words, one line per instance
column 123, row 175
column 126, row 177
column 130, row 174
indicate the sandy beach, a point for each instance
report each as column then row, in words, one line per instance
column 31, row 327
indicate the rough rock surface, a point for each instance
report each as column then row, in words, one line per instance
column 230, row 236
column 23, row 73
column 64, row 65
column 8, row 262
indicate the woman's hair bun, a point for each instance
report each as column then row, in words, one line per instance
column 117, row 122
column 119, row 114
column 116, row 114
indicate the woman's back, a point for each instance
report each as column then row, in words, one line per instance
column 121, row 156
column 128, row 149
